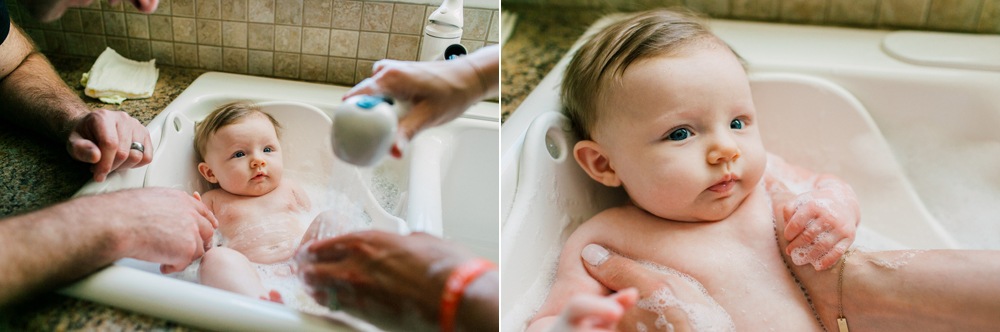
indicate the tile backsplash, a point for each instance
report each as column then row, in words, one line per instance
column 978, row 16
column 334, row 41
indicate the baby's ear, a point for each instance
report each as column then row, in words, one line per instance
column 591, row 158
column 207, row 172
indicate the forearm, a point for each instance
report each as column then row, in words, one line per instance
column 50, row 247
column 933, row 290
column 486, row 62
column 479, row 309
column 36, row 98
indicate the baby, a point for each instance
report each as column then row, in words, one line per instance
column 257, row 209
column 664, row 109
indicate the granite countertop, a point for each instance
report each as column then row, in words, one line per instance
column 37, row 173
column 539, row 40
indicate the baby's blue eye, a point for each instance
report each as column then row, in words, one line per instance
column 679, row 135
column 267, row 150
column 736, row 124
column 239, row 154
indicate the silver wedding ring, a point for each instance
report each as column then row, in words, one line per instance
column 138, row 146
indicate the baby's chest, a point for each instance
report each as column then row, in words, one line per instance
column 241, row 210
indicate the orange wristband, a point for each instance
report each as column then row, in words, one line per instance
column 458, row 281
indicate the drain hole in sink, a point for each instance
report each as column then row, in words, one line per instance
column 555, row 144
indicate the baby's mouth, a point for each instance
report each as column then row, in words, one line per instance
column 726, row 184
column 259, row 176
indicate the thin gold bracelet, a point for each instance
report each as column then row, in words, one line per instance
column 842, row 321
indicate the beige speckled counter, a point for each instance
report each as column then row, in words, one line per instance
column 539, row 40
column 36, row 173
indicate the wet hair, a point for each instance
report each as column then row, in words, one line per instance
column 225, row 115
column 603, row 59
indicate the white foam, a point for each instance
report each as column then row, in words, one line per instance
column 892, row 260
column 799, row 255
column 703, row 318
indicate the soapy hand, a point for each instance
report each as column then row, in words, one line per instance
column 390, row 280
column 592, row 313
column 436, row 92
column 666, row 301
column 104, row 138
column 821, row 224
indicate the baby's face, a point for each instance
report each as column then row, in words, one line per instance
column 681, row 134
column 244, row 158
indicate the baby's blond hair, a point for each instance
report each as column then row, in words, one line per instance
column 602, row 60
column 223, row 116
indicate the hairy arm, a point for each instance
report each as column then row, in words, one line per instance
column 33, row 95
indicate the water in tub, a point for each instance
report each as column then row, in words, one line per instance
column 341, row 193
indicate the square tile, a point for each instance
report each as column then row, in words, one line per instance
column 472, row 45
column 184, row 30
column 93, row 22
column 234, row 60
column 313, row 68
column 106, row 6
column 54, row 25
column 853, row 12
column 138, row 25
column 477, row 23
column 288, row 12
column 75, row 44
column 163, row 52
column 316, row 41
column 287, row 39
column 71, row 21
column 182, row 8
column 208, row 9
column 803, row 11
column 903, row 13
column 163, row 8
column 756, row 9
column 407, row 18
column 260, row 63
column 260, row 11
column 494, row 35
column 139, row 48
column 954, row 15
column 210, row 57
column 341, row 71
column 95, row 44
column 346, row 15
column 114, row 24
column 186, row 55
column 56, row 41
column 344, row 43
column 260, row 36
column 120, row 45
column 989, row 18
column 94, row 5
column 363, row 71
column 234, row 10
column 317, row 13
column 372, row 45
column 234, row 34
column 403, row 47
column 286, row 65
column 376, row 16
column 160, row 27
column 209, row 32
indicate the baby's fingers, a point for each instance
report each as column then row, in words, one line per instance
column 812, row 244
column 831, row 257
column 800, row 220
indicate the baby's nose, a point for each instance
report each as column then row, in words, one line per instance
column 257, row 162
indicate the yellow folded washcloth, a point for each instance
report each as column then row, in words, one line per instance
column 114, row 78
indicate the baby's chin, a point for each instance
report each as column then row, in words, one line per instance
column 254, row 190
column 699, row 211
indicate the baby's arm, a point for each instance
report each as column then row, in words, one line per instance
column 822, row 219
column 571, row 279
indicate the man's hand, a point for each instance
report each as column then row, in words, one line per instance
column 821, row 223
column 160, row 225
column 104, row 138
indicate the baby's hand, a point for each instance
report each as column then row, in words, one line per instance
column 821, row 224
column 591, row 313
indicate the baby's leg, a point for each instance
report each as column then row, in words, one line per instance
column 227, row 269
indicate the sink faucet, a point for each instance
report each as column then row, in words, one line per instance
column 443, row 33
